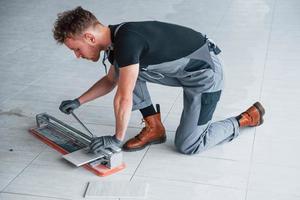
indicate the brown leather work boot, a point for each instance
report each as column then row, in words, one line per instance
column 153, row 133
column 253, row 116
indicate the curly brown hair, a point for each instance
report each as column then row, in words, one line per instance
column 72, row 23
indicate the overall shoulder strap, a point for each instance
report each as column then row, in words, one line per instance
column 116, row 30
column 110, row 48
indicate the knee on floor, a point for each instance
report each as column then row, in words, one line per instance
column 188, row 149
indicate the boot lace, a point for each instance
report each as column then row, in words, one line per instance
column 143, row 132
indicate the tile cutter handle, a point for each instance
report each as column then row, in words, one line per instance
column 78, row 120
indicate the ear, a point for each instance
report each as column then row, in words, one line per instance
column 89, row 38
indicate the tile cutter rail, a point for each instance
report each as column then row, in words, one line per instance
column 68, row 140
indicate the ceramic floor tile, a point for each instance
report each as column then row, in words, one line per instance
column 277, row 74
column 12, row 163
column 276, row 151
column 10, row 196
column 84, row 71
column 273, row 127
column 14, row 118
column 117, row 189
column 52, row 158
column 65, row 82
column 283, row 18
column 19, row 140
column 161, row 163
column 9, row 90
column 15, row 157
column 281, row 48
column 280, row 103
column 175, row 190
column 270, row 178
column 19, row 78
column 50, row 182
column 8, row 171
column 274, row 84
column 278, row 89
column 255, row 195
column 250, row 59
column 47, row 94
column 33, row 52
column 22, row 113
column 172, row 121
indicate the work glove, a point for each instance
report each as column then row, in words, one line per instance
column 104, row 142
column 69, row 105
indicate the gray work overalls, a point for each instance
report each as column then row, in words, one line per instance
column 200, row 75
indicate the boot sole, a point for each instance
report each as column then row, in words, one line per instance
column 261, row 111
column 160, row 141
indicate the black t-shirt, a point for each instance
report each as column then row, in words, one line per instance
column 152, row 42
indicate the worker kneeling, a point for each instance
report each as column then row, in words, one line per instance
column 155, row 52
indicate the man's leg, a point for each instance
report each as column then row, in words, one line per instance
column 141, row 96
column 196, row 133
column 154, row 131
column 147, row 111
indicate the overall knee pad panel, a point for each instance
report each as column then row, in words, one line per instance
column 208, row 105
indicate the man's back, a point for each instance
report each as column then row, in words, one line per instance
column 152, row 42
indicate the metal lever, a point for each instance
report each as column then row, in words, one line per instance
column 82, row 124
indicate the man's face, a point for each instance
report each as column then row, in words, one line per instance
column 83, row 48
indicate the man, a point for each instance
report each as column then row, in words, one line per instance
column 156, row 52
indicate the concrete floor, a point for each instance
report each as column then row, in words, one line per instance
column 259, row 39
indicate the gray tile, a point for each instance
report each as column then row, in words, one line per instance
column 176, row 190
column 51, row 182
column 256, row 195
column 47, row 94
column 116, row 189
column 15, row 118
column 276, row 151
column 13, row 196
column 8, row 171
column 12, row 163
column 160, row 163
column 19, row 140
column 8, row 90
column 269, row 178
column 19, row 78
column 22, row 113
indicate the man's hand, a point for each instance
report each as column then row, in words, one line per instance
column 69, row 105
column 104, row 142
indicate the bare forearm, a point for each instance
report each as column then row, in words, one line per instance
column 100, row 88
column 122, row 107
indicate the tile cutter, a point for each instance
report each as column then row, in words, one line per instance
column 73, row 143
